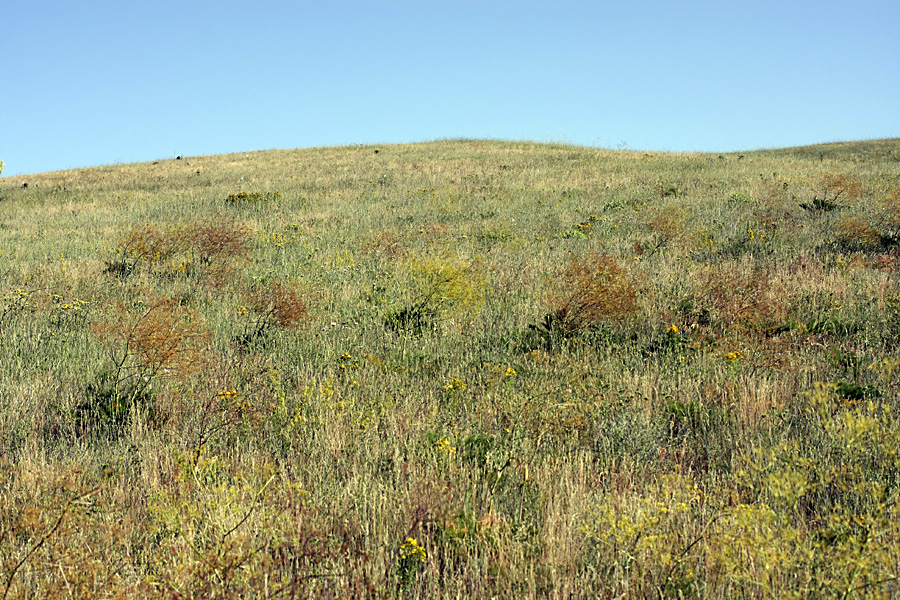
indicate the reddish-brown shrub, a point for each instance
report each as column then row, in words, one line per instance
column 592, row 289
column 158, row 337
column 743, row 299
column 856, row 232
column 277, row 305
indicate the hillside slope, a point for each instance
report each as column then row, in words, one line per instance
column 453, row 369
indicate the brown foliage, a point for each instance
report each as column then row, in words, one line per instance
column 856, row 231
column 146, row 245
column 592, row 289
column 386, row 243
column 742, row 298
column 216, row 242
column 59, row 534
column 834, row 186
column 277, row 305
column 204, row 248
column 890, row 213
column 158, row 337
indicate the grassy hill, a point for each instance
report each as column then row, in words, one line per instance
column 453, row 369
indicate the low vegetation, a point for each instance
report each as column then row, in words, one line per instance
column 454, row 369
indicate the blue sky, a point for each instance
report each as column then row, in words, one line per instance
column 88, row 83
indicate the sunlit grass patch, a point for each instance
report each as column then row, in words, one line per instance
column 454, row 369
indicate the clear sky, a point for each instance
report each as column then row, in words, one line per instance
column 87, row 82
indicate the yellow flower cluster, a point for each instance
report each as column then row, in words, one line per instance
column 455, row 384
column 76, row 304
column 734, row 356
column 444, row 444
column 412, row 550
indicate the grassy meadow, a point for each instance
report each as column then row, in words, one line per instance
column 459, row 369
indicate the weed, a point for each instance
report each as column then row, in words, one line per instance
column 591, row 290
column 436, row 286
column 277, row 305
column 157, row 339
column 412, row 556
column 15, row 302
column 59, row 533
column 251, row 197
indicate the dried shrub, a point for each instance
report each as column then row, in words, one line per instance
column 248, row 533
column 742, row 299
column 204, row 248
column 592, row 289
column 216, row 244
column 60, row 534
column 153, row 340
column 275, row 306
column 831, row 189
column 386, row 244
column 854, row 232
column 148, row 246
column 669, row 222
column 889, row 216
column 837, row 185
column 155, row 336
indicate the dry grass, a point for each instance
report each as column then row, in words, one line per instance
column 454, row 369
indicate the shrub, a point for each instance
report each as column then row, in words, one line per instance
column 889, row 217
column 434, row 287
column 215, row 244
column 247, row 533
column 277, row 305
column 59, row 533
column 151, row 340
column 592, row 289
column 203, row 248
column 830, row 190
column 741, row 299
column 856, row 233
column 148, row 246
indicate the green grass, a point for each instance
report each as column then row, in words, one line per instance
column 453, row 369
